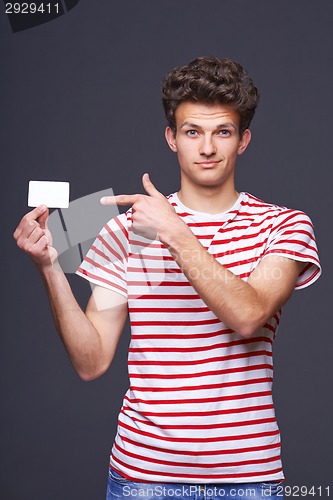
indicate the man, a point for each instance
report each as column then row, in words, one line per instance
column 203, row 274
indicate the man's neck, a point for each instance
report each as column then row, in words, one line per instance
column 212, row 200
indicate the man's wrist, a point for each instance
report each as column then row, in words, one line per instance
column 49, row 269
column 177, row 236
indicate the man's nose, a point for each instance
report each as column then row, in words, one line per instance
column 207, row 146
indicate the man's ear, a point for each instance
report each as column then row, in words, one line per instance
column 244, row 141
column 171, row 140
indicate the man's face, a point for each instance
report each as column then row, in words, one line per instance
column 207, row 143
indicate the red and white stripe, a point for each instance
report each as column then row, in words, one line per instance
column 199, row 407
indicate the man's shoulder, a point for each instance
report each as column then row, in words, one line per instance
column 254, row 202
column 256, row 205
column 276, row 217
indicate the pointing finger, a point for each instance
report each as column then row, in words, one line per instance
column 150, row 188
column 120, row 199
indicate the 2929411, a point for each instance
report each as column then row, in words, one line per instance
column 306, row 491
column 32, row 8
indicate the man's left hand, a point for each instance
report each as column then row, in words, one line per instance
column 152, row 215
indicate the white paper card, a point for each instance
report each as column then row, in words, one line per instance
column 53, row 194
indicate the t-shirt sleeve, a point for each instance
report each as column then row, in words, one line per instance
column 293, row 236
column 106, row 261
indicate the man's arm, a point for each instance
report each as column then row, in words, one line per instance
column 243, row 306
column 90, row 339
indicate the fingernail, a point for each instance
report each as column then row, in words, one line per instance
column 102, row 200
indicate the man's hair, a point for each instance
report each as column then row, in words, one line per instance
column 210, row 80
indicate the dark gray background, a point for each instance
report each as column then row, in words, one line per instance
column 80, row 102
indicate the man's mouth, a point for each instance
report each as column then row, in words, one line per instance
column 208, row 163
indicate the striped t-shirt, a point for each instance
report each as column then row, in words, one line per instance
column 199, row 406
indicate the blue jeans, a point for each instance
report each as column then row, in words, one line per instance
column 119, row 487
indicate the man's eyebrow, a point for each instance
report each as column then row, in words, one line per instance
column 191, row 125
column 221, row 125
column 226, row 125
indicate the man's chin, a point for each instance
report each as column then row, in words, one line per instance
column 210, row 185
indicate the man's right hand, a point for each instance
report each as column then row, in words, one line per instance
column 33, row 236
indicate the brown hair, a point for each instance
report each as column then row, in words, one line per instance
column 210, row 80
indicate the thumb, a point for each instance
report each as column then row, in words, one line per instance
column 150, row 188
column 42, row 220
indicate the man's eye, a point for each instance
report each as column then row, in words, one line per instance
column 191, row 133
column 224, row 132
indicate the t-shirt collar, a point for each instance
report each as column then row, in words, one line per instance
column 204, row 215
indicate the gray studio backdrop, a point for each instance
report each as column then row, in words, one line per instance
column 80, row 102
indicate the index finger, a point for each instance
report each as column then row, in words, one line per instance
column 32, row 215
column 120, row 199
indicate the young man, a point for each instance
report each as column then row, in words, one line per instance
column 203, row 274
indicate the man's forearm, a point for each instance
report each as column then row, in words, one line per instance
column 79, row 336
column 230, row 298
